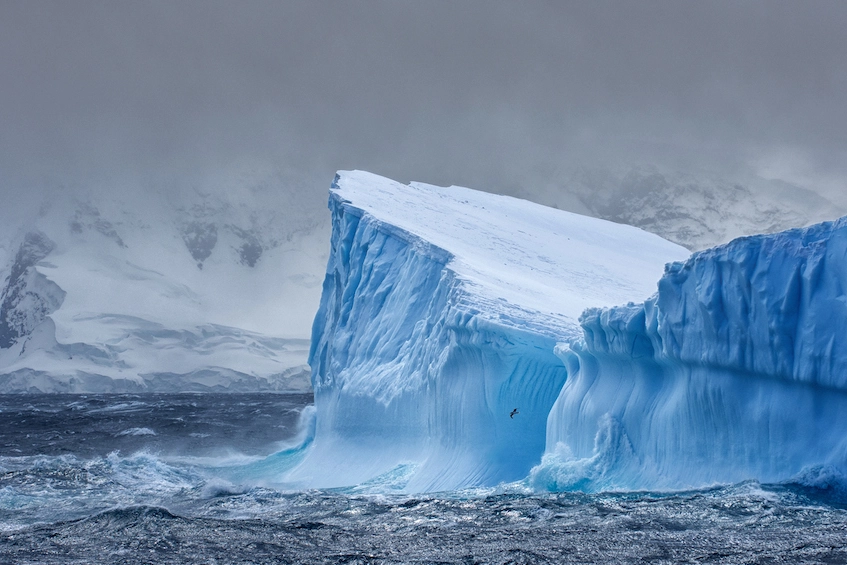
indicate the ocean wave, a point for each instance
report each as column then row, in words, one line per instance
column 137, row 432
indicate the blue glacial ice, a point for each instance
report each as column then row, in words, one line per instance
column 736, row 369
column 440, row 314
column 445, row 309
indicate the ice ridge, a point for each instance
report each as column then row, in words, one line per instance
column 736, row 369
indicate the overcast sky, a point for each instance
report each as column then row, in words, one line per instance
column 481, row 93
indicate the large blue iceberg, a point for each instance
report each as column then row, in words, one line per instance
column 736, row 369
column 439, row 317
column 465, row 339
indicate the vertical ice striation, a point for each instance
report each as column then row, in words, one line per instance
column 440, row 312
column 736, row 369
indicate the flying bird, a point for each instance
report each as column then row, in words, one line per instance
column 512, row 415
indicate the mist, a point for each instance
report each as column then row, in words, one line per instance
column 501, row 96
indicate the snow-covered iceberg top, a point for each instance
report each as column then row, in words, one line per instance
column 519, row 262
column 432, row 350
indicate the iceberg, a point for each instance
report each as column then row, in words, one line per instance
column 433, row 349
column 736, row 369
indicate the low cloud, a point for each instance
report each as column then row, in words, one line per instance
column 487, row 94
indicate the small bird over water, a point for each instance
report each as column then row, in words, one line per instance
column 512, row 415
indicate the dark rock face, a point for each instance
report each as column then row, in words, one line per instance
column 250, row 249
column 87, row 217
column 200, row 238
column 249, row 252
column 28, row 296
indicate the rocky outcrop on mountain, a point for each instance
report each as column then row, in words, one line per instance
column 28, row 297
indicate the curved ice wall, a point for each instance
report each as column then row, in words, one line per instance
column 736, row 369
column 439, row 316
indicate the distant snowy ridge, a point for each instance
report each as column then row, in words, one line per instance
column 141, row 356
column 735, row 370
column 695, row 210
column 433, row 348
column 210, row 292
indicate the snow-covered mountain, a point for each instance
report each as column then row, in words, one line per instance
column 451, row 319
column 198, row 290
column 696, row 211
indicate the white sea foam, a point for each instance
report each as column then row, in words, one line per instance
column 137, row 432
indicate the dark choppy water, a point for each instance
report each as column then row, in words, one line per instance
column 173, row 479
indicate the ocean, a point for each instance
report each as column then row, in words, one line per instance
column 194, row 478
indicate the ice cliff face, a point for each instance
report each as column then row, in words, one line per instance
column 433, row 349
column 736, row 369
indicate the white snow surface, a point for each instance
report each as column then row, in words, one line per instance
column 518, row 261
column 440, row 311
